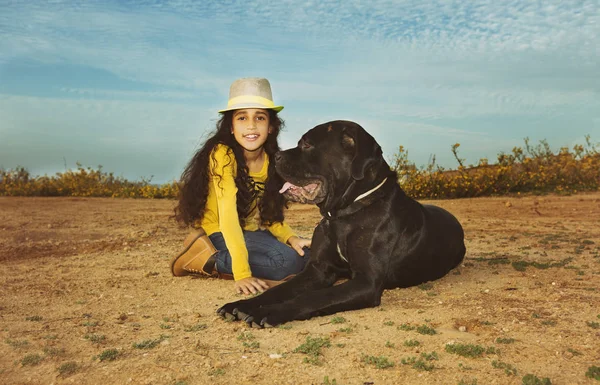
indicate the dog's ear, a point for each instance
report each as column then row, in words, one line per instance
column 365, row 148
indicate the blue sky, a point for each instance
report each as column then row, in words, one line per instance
column 134, row 86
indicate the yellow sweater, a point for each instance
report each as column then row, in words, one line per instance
column 220, row 213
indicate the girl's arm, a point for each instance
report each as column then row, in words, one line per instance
column 224, row 165
column 285, row 234
column 281, row 231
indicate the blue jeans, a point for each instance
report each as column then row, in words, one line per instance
column 268, row 258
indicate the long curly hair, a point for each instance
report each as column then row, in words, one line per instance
column 195, row 178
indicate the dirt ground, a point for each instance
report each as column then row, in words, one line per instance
column 88, row 298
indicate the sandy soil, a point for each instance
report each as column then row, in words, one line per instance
column 88, row 298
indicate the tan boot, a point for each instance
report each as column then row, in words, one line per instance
column 197, row 257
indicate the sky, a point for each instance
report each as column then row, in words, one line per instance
column 135, row 86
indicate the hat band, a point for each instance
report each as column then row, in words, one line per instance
column 250, row 99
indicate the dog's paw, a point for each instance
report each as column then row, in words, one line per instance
column 229, row 311
column 264, row 317
column 234, row 311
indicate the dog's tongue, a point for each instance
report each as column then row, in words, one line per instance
column 285, row 187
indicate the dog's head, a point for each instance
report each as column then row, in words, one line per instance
column 333, row 163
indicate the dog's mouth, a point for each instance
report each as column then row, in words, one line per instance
column 312, row 192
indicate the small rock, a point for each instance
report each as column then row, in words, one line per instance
column 462, row 329
column 275, row 356
column 508, row 204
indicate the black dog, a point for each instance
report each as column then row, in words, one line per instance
column 371, row 232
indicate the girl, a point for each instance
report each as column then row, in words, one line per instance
column 230, row 196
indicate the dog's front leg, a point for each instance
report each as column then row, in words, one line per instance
column 313, row 277
column 320, row 272
column 356, row 293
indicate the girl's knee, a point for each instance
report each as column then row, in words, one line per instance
column 293, row 262
column 279, row 275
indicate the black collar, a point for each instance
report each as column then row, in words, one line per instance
column 360, row 202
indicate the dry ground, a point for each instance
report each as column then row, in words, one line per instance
column 83, row 280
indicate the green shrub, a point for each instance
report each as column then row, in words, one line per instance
column 466, row 350
column 31, row 360
column 380, row 362
column 593, row 372
column 68, row 368
column 424, row 329
column 109, row 355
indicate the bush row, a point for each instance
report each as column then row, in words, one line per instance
column 532, row 169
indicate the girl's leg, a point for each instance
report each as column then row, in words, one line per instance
column 268, row 258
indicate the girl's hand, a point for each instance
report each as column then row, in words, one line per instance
column 250, row 285
column 298, row 243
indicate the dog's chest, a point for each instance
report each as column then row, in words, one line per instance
column 339, row 250
column 337, row 235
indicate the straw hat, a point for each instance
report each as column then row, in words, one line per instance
column 251, row 93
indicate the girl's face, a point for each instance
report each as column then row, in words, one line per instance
column 251, row 128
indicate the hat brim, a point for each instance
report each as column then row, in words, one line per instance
column 251, row 105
